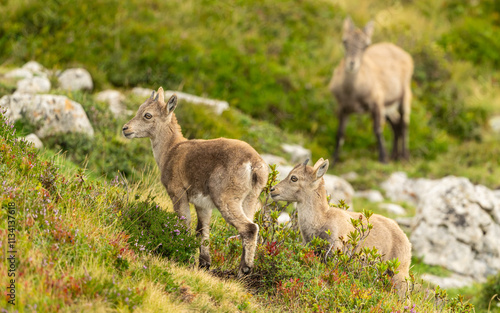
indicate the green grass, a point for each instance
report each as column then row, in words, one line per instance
column 264, row 60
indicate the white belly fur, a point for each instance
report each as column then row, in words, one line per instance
column 202, row 201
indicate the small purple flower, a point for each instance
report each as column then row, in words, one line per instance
column 145, row 267
column 183, row 217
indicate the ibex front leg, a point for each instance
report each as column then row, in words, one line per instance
column 378, row 126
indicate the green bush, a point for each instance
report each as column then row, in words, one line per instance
column 474, row 34
column 487, row 298
column 443, row 100
column 154, row 230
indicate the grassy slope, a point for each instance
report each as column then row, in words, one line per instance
column 69, row 243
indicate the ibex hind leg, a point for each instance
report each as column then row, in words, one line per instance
column 231, row 210
column 251, row 204
column 203, row 233
column 405, row 122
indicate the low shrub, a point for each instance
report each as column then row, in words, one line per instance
column 312, row 277
column 154, row 230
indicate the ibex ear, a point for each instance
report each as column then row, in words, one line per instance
column 321, row 170
column 368, row 30
column 348, row 25
column 171, row 104
column 160, row 96
column 317, row 164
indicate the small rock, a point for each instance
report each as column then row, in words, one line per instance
column 33, row 85
column 19, row 73
column 273, row 159
column 284, row 218
column 114, row 99
column 142, row 92
column 76, row 79
column 298, row 154
column 218, row 106
column 350, row 176
column 338, row 189
column 370, row 195
column 393, row 208
column 494, row 123
column 34, row 140
column 34, row 67
column 454, row 281
column 405, row 222
column 283, row 171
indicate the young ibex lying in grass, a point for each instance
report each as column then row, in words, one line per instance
column 305, row 185
column 223, row 173
column 376, row 79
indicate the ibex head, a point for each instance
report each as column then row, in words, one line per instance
column 300, row 182
column 152, row 114
column 355, row 42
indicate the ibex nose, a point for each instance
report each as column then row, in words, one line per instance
column 125, row 128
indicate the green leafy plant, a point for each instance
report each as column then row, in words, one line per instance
column 490, row 294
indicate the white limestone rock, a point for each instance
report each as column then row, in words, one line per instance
column 52, row 114
column 75, row 79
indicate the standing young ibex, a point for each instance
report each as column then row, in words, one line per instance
column 305, row 185
column 224, row 173
column 376, row 79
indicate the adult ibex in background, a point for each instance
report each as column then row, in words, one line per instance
column 376, row 79
column 305, row 185
column 224, row 173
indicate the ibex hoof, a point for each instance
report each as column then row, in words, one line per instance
column 204, row 266
column 245, row 270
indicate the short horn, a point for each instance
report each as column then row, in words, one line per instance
column 305, row 162
column 152, row 95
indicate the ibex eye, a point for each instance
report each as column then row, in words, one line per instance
column 294, row 178
column 148, row 116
